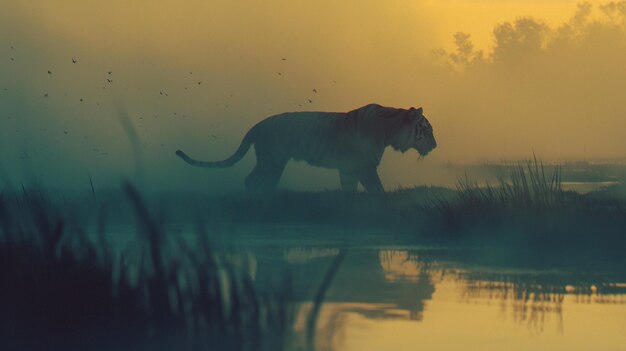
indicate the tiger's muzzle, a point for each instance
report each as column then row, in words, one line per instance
column 425, row 148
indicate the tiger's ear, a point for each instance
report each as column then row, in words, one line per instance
column 416, row 112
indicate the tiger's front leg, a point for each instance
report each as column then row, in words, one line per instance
column 370, row 180
column 349, row 181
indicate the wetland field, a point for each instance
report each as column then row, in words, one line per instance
column 515, row 261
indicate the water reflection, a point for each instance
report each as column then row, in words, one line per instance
column 375, row 284
column 530, row 301
column 416, row 294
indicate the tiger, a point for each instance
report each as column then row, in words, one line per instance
column 352, row 142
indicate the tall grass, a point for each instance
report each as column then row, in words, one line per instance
column 529, row 207
column 528, row 188
column 61, row 291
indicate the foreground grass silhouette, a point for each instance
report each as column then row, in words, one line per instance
column 60, row 291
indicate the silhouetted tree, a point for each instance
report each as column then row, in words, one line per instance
column 518, row 40
column 464, row 56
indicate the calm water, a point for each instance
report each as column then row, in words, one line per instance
column 586, row 187
column 389, row 299
column 385, row 296
column 437, row 298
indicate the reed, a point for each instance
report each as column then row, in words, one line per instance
column 62, row 291
column 529, row 188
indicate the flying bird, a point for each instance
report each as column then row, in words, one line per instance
column 310, row 101
column 315, row 91
column 74, row 60
column 49, row 72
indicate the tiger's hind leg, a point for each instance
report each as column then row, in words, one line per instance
column 253, row 181
column 349, row 181
column 272, row 176
column 370, row 180
column 265, row 175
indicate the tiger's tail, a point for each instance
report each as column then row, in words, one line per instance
column 238, row 155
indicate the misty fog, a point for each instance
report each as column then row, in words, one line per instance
column 197, row 76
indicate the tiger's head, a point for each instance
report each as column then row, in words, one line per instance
column 416, row 132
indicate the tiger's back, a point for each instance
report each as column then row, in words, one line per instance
column 324, row 139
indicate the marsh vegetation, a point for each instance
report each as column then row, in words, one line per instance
column 63, row 289
column 70, row 282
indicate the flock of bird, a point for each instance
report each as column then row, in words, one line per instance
column 110, row 80
column 161, row 92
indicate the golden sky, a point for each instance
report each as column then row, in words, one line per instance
column 197, row 74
